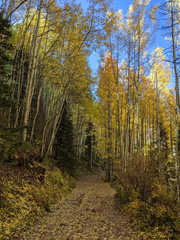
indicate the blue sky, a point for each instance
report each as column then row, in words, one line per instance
column 124, row 5
column 118, row 4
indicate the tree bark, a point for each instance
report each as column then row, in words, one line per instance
column 31, row 75
column 177, row 101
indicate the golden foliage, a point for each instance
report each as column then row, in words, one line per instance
column 25, row 198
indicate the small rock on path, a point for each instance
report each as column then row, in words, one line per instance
column 87, row 213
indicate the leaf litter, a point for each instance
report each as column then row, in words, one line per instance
column 88, row 213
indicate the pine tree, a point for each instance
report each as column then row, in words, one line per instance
column 64, row 147
column 5, row 61
column 90, row 143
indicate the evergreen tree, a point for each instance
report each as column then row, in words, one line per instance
column 5, row 60
column 89, row 145
column 63, row 147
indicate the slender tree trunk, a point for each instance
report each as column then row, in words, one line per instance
column 177, row 101
column 109, row 138
column 31, row 75
column 91, row 157
column 55, row 128
column 171, row 136
column 127, row 126
column 158, row 124
column 36, row 114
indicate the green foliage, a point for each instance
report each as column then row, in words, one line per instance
column 5, row 45
column 56, row 178
column 9, row 143
column 16, row 152
column 5, row 60
column 64, row 146
column 90, row 144
column 5, row 92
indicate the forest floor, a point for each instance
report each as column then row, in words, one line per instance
column 89, row 212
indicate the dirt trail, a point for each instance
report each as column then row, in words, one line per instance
column 87, row 213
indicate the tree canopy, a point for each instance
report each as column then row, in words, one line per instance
column 124, row 118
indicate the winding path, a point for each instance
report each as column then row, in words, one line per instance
column 87, row 213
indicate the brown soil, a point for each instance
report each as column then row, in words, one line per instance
column 87, row 213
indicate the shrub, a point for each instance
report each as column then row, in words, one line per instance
column 25, row 197
column 142, row 192
column 125, row 194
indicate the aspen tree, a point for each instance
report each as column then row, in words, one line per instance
column 72, row 52
column 160, row 75
column 117, row 70
column 172, row 10
column 107, row 94
column 139, row 28
column 17, row 80
column 32, row 71
column 173, row 4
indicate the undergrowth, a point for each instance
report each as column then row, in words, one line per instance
column 25, row 195
column 29, row 184
column 148, row 200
